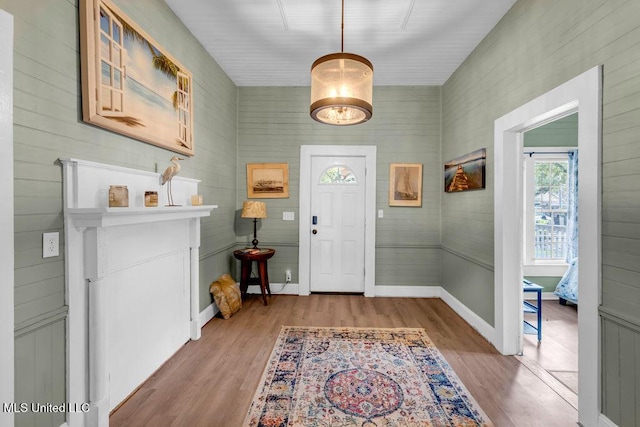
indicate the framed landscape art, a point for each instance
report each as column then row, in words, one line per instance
column 267, row 180
column 465, row 172
column 405, row 184
column 130, row 84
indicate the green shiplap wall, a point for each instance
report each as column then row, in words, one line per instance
column 48, row 125
column 559, row 133
column 273, row 122
column 537, row 46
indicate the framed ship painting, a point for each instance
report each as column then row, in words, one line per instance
column 405, row 184
column 465, row 172
column 267, row 180
column 130, row 84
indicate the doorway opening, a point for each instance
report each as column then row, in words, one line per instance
column 550, row 224
column 582, row 94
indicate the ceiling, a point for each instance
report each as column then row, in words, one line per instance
column 274, row 42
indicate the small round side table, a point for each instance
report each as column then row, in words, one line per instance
column 247, row 257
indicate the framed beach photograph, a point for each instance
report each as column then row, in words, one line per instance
column 267, row 180
column 405, row 184
column 130, row 84
column 465, row 172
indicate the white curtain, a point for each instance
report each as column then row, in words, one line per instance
column 572, row 211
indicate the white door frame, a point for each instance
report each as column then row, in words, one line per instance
column 584, row 95
column 304, row 220
column 7, row 367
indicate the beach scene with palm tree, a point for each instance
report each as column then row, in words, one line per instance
column 154, row 99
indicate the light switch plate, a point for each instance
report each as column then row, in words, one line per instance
column 288, row 216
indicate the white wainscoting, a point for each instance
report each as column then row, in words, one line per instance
column 132, row 283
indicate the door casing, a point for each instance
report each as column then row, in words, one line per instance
column 584, row 95
column 304, row 252
column 7, row 367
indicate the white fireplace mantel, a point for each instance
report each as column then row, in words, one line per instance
column 112, row 217
column 132, row 282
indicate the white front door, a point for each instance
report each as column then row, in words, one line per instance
column 337, row 224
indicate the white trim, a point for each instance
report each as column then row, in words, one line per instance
column 207, row 314
column 529, row 225
column 603, row 421
column 550, row 296
column 408, row 291
column 211, row 310
column 583, row 94
column 304, row 251
column 475, row 321
column 7, row 367
column 276, row 289
column 544, row 270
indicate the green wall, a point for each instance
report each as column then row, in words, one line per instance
column 273, row 122
column 537, row 46
column 559, row 133
column 48, row 125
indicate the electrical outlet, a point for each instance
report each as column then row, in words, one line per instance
column 288, row 276
column 288, row 216
column 50, row 244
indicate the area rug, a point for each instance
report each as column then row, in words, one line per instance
column 360, row 377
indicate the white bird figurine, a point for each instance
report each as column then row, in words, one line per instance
column 172, row 170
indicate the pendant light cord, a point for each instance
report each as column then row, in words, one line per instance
column 342, row 30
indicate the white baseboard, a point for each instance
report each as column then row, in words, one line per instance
column 603, row 421
column 476, row 322
column 276, row 289
column 207, row 314
column 548, row 296
column 408, row 291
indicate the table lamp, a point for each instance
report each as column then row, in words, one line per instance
column 255, row 210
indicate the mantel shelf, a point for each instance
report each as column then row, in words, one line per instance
column 111, row 217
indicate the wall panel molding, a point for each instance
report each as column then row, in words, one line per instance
column 41, row 321
column 621, row 319
column 471, row 259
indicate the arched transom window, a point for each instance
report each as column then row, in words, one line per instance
column 338, row 174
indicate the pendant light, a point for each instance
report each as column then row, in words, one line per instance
column 341, row 87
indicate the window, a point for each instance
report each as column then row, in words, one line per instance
column 112, row 53
column 338, row 175
column 546, row 208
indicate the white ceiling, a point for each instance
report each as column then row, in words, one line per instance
column 274, row 42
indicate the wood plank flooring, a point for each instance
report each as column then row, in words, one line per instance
column 558, row 351
column 210, row 382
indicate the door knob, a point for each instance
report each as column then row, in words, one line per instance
column 314, row 231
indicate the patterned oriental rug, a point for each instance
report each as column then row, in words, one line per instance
column 348, row 377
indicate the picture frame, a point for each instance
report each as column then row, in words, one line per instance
column 405, row 184
column 267, row 180
column 130, row 84
column 467, row 172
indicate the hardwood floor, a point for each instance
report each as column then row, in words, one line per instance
column 210, row 382
column 558, row 351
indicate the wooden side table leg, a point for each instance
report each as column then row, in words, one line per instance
column 264, row 279
column 245, row 274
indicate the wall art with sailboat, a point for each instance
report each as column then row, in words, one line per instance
column 405, row 184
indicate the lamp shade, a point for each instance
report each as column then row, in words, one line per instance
column 341, row 89
column 254, row 209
